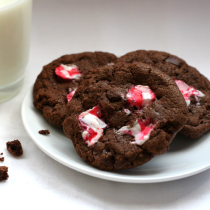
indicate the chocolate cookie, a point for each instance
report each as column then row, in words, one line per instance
column 121, row 116
column 193, row 85
column 58, row 81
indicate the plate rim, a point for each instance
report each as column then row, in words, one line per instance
column 105, row 175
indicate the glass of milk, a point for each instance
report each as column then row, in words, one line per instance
column 15, row 22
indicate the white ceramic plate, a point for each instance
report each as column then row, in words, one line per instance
column 185, row 158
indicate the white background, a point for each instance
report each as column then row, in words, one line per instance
column 61, row 27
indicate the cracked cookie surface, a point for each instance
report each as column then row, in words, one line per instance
column 198, row 121
column 52, row 93
column 103, row 104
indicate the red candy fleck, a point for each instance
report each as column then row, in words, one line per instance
column 135, row 98
column 140, row 130
column 95, row 111
column 59, row 68
column 188, row 91
column 139, row 96
column 70, row 95
column 91, row 134
column 69, row 72
column 146, row 128
column 91, row 124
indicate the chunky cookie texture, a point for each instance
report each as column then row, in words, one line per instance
column 122, row 115
column 58, row 81
column 194, row 86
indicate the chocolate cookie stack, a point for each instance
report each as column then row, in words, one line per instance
column 121, row 112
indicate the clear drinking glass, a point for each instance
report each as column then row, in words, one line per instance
column 15, row 24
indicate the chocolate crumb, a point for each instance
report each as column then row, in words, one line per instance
column 2, row 159
column 44, row 132
column 15, row 147
column 3, row 173
column 1, row 153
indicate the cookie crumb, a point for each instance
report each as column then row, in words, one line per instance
column 3, row 173
column 44, row 132
column 2, row 159
column 15, row 147
column 1, row 153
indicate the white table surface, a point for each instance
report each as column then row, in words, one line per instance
column 63, row 27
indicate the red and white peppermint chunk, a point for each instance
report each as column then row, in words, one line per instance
column 70, row 95
column 139, row 96
column 69, row 72
column 140, row 130
column 93, row 127
column 188, row 91
column 127, row 111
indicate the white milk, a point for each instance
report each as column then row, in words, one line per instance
column 15, row 21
